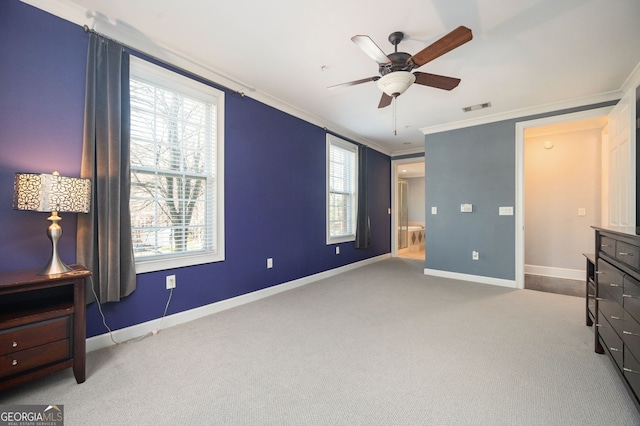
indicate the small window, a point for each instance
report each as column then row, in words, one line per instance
column 342, row 190
column 176, row 169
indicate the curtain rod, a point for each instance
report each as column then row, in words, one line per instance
column 331, row 132
column 139, row 53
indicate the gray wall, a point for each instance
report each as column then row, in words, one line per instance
column 474, row 165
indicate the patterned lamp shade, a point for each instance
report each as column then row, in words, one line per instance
column 51, row 193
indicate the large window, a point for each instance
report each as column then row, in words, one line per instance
column 342, row 187
column 176, row 169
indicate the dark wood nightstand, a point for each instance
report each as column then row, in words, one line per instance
column 42, row 325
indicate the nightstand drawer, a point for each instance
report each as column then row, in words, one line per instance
column 39, row 356
column 32, row 335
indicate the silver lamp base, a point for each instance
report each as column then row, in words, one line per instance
column 54, row 232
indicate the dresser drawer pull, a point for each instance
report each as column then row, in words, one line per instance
column 617, row 318
column 628, row 333
column 630, row 296
column 615, row 349
column 628, row 370
column 14, row 362
column 615, row 285
column 605, row 245
column 14, row 345
column 625, row 254
column 600, row 299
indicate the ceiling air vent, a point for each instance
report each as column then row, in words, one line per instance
column 477, row 107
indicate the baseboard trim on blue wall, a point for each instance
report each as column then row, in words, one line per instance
column 138, row 330
column 474, row 278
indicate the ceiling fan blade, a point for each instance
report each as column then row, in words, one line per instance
column 370, row 48
column 454, row 39
column 385, row 100
column 437, row 81
column 354, row 82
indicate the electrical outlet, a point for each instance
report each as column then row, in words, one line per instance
column 475, row 255
column 269, row 263
column 170, row 281
column 337, row 249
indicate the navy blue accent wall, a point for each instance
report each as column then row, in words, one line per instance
column 274, row 179
column 474, row 165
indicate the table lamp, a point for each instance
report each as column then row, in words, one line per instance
column 52, row 193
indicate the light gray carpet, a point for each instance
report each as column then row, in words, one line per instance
column 380, row 345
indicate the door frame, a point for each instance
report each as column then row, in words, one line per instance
column 395, row 164
column 520, row 129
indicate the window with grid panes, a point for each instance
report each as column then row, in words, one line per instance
column 341, row 190
column 176, row 169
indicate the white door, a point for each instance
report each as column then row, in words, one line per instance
column 618, row 167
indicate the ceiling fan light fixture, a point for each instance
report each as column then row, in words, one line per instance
column 396, row 83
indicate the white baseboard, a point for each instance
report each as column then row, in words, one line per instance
column 548, row 271
column 474, row 278
column 135, row 331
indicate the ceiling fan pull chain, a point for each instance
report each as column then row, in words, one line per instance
column 395, row 101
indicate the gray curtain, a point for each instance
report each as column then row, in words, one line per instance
column 104, row 235
column 363, row 225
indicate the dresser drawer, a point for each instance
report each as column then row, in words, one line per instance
column 628, row 254
column 613, row 312
column 610, row 281
column 39, row 356
column 32, row 335
column 631, row 371
column 631, row 297
column 629, row 331
column 610, row 338
column 608, row 246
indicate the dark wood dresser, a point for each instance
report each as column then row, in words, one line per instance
column 617, row 302
column 42, row 325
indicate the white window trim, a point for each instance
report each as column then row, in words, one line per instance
column 148, row 71
column 333, row 140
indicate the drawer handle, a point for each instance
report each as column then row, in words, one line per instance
column 628, row 333
column 605, row 245
column 630, row 296
column 615, row 285
column 600, row 299
column 14, row 362
column 625, row 254
column 617, row 318
column 615, row 349
column 15, row 344
column 628, row 370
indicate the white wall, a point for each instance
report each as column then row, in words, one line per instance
column 416, row 199
column 558, row 182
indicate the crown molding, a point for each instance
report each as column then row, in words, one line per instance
column 524, row 112
column 136, row 40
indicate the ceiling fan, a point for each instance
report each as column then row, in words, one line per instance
column 395, row 68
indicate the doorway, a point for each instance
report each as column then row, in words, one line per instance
column 559, row 198
column 408, row 211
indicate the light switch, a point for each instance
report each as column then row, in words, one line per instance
column 505, row 211
column 466, row 208
column 582, row 211
column 434, row 210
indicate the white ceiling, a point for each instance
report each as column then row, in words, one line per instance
column 525, row 54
